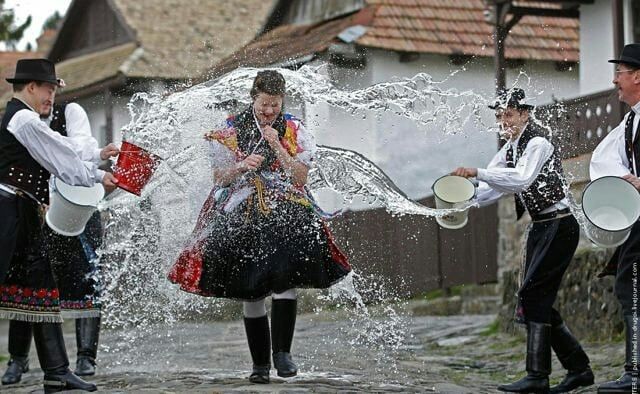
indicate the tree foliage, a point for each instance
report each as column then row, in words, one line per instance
column 52, row 21
column 10, row 34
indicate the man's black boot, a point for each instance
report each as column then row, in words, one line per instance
column 538, row 362
column 87, row 335
column 54, row 361
column 573, row 359
column 19, row 344
column 624, row 383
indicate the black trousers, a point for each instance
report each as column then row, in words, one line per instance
column 628, row 271
column 550, row 248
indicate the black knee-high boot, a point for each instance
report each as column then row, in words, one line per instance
column 632, row 359
column 257, row 329
column 87, row 335
column 283, row 324
column 573, row 359
column 538, row 362
column 53, row 360
column 19, row 345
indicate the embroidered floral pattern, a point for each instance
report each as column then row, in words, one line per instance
column 40, row 300
column 226, row 137
column 79, row 304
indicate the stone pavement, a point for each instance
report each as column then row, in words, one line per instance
column 453, row 354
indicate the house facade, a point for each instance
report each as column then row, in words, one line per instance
column 107, row 50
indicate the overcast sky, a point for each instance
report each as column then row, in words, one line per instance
column 39, row 10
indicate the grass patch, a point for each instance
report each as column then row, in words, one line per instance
column 507, row 344
column 440, row 293
column 492, row 329
column 3, row 358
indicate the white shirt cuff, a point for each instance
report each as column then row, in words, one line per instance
column 482, row 174
column 96, row 156
column 99, row 174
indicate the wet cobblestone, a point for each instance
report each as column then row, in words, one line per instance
column 454, row 354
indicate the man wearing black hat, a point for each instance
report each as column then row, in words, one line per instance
column 73, row 259
column 529, row 167
column 619, row 155
column 29, row 152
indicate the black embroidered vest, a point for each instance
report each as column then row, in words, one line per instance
column 17, row 167
column 248, row 136
column 631, row 147
column 547, row 189
column 59, row 121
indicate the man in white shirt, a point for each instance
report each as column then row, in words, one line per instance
column 618, row 155
column 29, row 153
column 529, row 167
column 74, row 270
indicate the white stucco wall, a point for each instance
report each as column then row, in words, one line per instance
column 95, row 108
column 596, row 47
column 415, row 156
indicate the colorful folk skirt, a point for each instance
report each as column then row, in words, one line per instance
column 76, row 269
column 28, row 291
column 257, row 250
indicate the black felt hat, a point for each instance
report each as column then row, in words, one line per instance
column 630, row 55
column 28, row 70
column 510, row 98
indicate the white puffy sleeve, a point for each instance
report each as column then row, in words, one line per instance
column 307, row 143
column 220, row 156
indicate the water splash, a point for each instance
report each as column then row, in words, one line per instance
column 144, row 235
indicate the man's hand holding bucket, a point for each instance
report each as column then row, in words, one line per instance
column 465, row 172
column 109, row 151
column 109, row 181
column 632, row 179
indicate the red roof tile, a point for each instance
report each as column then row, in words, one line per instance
column 427, row 26
column 425, row 23
column 8, row 62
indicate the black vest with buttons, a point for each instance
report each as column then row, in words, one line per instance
column 59, row 121
column 17, row 167
column 547, row 189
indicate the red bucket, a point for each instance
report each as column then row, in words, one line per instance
column 135, row 167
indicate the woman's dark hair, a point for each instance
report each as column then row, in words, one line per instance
column 270, row 82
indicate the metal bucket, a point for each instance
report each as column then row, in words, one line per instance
column 611, row 206
column 71, row 207
column 451, row 192
column 135, row 167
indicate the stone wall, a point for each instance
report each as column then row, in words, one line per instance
column 586, row 302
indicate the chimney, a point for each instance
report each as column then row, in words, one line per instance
column 45, row 41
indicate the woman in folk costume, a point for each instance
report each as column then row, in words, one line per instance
column 529, row 167
column 73, row 259
column 259, row 233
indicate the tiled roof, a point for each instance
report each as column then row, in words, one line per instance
column 182, row 39
column 96, row 67
column 458, row 27
column 8, row 62
column 172, row 39
column 289, row 42
column 427, row 26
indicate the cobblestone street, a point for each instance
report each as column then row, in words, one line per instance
column 455, row 354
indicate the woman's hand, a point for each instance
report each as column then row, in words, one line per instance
column 271, row 136
column 250, row 163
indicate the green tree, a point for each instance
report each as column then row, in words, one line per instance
column 10, row 34
column 52, row 21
